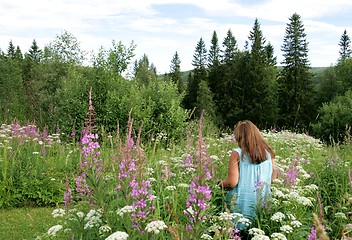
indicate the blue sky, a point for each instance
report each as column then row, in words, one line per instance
column 159, row 28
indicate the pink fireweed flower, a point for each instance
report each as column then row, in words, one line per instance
column 199, row 192
column 68, row 199
column 135, row 190
column 291, row 173
column 313, row 234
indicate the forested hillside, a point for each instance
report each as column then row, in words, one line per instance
column 50, row 86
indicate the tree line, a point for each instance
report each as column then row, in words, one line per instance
column 50, row 86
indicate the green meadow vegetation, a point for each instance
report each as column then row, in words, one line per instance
column 312, row 196
column 99, row 151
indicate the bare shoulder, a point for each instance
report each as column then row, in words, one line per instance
column 234, row 153
column 235, row 156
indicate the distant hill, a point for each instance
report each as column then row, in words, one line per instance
column 317, row 72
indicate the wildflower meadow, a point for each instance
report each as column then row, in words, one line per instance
column 107, row 186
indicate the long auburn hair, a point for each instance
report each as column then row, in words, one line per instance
column 252, row 143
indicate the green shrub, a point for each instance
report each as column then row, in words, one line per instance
column 334, row 118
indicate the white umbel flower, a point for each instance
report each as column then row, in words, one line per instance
column 54, row 229
column 278, row 216
column 278, row 236
column 125, row 209
column 155, row 227
column 296, row 223
column 117, row 236
column 59, row 212
column 260, row 237
column 206, row 237
column 256, row 231
column 286, row 228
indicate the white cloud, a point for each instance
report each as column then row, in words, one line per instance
column 96, row 23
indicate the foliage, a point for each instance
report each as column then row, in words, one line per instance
column 335, row 119
column 66, row 48
column 156, row 106
column 12, row 104
column 119, row 56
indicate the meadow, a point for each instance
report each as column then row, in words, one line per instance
column 121, row 187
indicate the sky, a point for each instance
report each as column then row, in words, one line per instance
column 159, row 28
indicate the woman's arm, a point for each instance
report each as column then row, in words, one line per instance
column 274, row 173
column 233, row 172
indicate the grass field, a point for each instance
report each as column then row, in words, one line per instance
column 24, row 223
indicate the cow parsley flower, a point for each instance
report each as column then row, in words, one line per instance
column 59, row 212
column 244, row 221
column 104, row 229
column 286, row 228
column 93, row 218
column 260, row 237
column 183, row 185
column 125, row 209
column 340, row 215
column 117, row 236
column 54, row 229
column 296, row 223
column 170, row 188
column 225, row 216
column 278, row 216
column 206, row 237
column 256, row 231
column 304, row 201
column 278, row 236
column 155, row 227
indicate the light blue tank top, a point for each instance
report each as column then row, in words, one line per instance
column 252, row 188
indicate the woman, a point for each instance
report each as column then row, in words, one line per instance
column 251, row 170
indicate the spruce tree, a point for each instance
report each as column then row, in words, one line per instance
column 11, row 50
column 345, row 47
column 199, row 63
column 145, row 72
column 175, row 73
column 205, row 101
column 295, row 86
column 214, row 73
column 31, row 80
column 230, row 89
column 260, row 103
column 255, row 93
column 214, row 58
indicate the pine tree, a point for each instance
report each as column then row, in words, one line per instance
column 345, row 44
column 295, row 85
column 175, row 73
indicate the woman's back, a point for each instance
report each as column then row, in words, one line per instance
column 252, row 188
